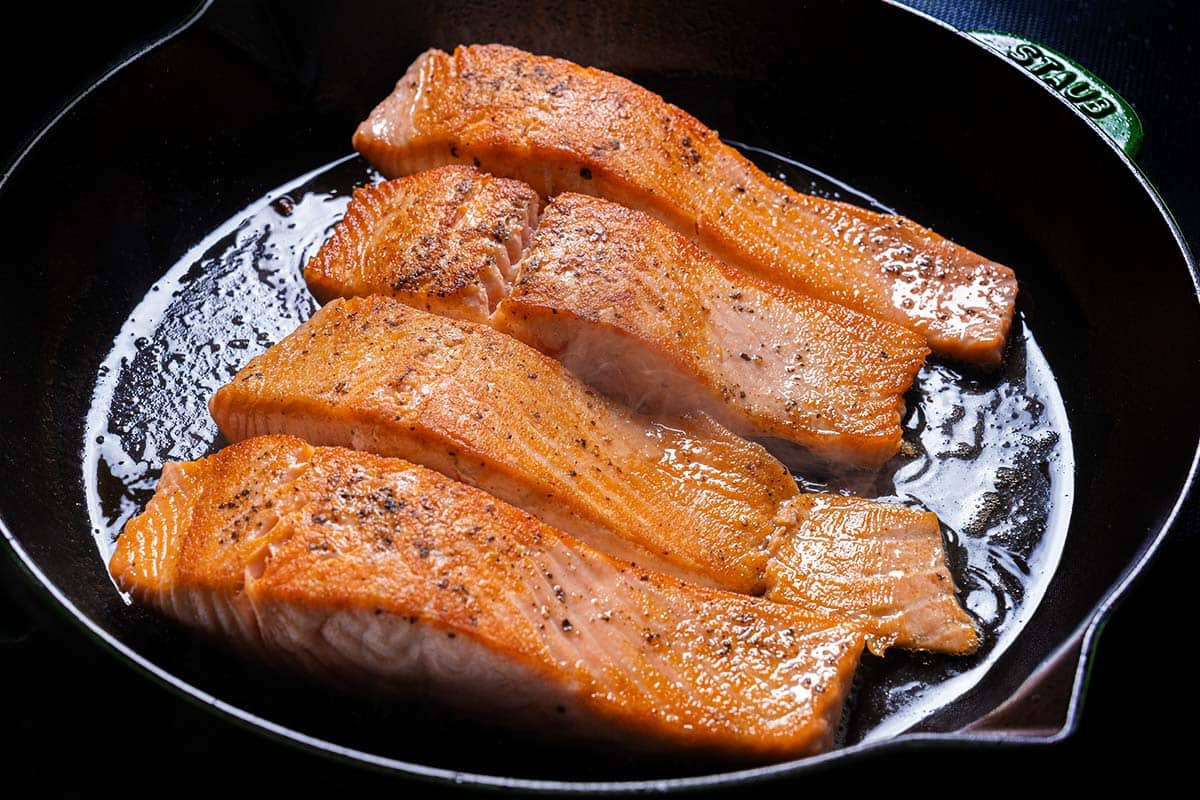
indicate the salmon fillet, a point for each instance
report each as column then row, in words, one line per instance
column 379, row 574
column 448, row 244
column 640, row 312
column 481, row 407
column 685, row 497
column 871, row 564
column 562, row 127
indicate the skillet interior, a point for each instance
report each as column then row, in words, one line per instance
column 139, row 194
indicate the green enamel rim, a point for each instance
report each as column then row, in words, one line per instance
column 1074, row 83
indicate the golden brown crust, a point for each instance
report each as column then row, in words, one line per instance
column 148, row 552
column 631, row 307
column 562, row 127
column 766, row 361
column 486, row 409
column 446, row 241
column 880, row 566
column 370, row 551
column 688, row 497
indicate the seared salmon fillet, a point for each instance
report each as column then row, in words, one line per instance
column 644, row 314
column 562, row 127
column 640, row 311
column 871, row 563
column 380, row 574
column 446, row 241
column 685, row 497
column 481, row 407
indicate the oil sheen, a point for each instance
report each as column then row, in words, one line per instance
column 991, row 456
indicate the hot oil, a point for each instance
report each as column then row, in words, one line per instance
column 229, row 298
column 990, row 455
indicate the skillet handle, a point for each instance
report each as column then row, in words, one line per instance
column 1075, row 84
column 1041, row 708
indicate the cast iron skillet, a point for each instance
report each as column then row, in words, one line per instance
column 246, row 97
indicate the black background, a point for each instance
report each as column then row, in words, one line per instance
column 81, row 722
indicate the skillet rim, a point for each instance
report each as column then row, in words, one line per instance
column 1084, row 637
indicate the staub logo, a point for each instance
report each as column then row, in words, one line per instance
column 1084, row 94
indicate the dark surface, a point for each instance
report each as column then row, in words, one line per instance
column 73, row 704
